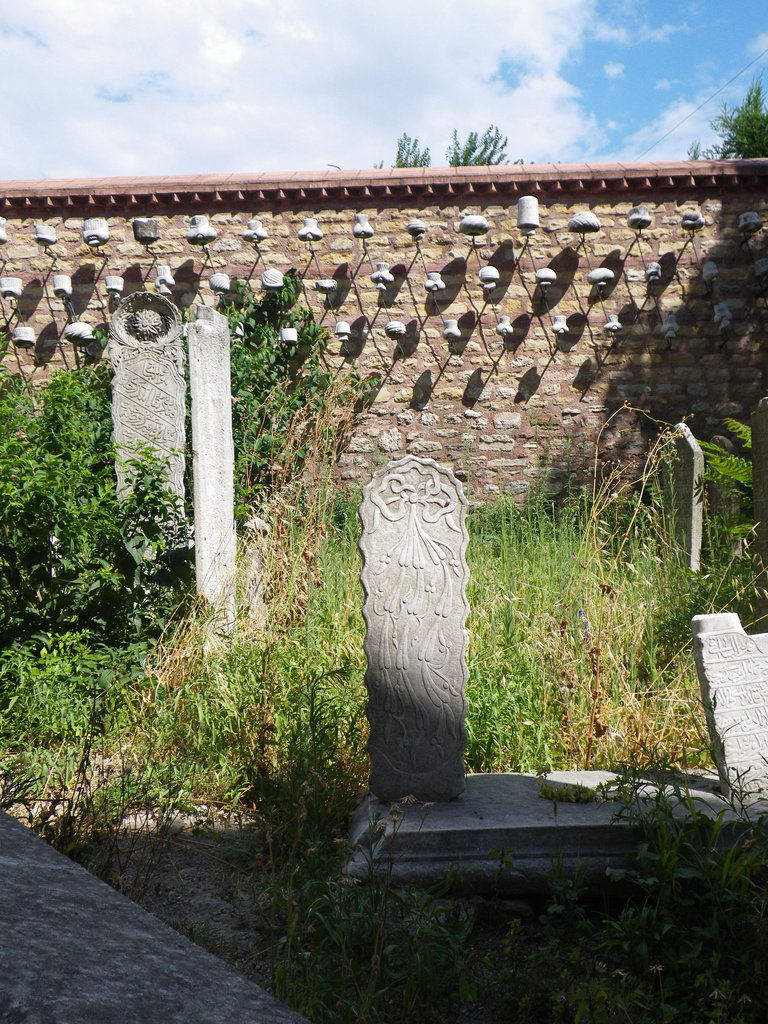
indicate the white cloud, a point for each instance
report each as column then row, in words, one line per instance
column 666, row 138
column 634, row 30
column 659, row 34
column 248, row 85
column 662, row 83
column 219, row 46
column 759, row 44
column 612, row 34
column 251, row 85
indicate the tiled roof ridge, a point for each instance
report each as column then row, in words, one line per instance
column 390, row 184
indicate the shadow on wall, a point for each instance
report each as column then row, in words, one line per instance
column 709, row 363
column 607, row 326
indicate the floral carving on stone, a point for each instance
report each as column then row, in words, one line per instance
column 148, row 386
column 414, row 576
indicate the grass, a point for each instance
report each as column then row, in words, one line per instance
column 579, row 656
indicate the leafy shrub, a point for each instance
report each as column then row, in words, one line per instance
column 72, row 555
column 80, row 572
column 279, row 390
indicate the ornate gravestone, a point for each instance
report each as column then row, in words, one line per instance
column 414, row 575
column 148, row 385
column 213, row 454
column 733, row 676
column 683, row 486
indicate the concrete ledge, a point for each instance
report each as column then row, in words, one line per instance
column 74, row 951
column 502, row 837
column 324, row 188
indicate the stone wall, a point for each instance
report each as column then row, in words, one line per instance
column 506, row 411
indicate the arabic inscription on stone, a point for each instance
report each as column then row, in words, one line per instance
column 733, row 676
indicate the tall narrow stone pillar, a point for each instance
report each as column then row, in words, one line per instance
column 148, row 387
column 414, row 575
column 684, row 493
column 760, row 502
column 213, row 455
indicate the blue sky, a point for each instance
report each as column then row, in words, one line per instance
column 94, row 88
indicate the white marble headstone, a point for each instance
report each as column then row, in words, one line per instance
column 213, row 462
column 733, row 676
column 148, row 386
column 683, row 483
column 414, row 575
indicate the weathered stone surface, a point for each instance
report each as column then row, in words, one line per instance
column 213, row 455
column 390, row 440
column 684, row 493
column 148, row 386
column 74, row 951
column 733, row 677
column 414, row 575
column 504, row 835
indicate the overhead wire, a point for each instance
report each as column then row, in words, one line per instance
column 706, row 101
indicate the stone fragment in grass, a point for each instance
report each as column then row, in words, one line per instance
column 684, row 493
column 733, row 677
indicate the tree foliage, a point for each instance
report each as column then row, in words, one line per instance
column 477, row 150
column 409, row 153
column 743, row 130
column 281, row 391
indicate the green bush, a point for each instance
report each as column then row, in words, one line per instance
column 85, row 579
column 279, row 389
column 62, row 688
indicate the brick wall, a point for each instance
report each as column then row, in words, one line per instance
column 507, row 412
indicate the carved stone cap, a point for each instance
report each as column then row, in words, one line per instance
column 145, row 320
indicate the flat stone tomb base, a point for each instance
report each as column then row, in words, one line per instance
column 501, row 836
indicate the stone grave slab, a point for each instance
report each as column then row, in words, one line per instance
column 502, row 837
column 148, row 387
column 733, row 677
column 414, row 575
column 74, row 951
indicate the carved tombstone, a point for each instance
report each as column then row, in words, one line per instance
column 213, row 462
column 733, row 677
column 683, row 487
column 414, row 575
column 148, row 386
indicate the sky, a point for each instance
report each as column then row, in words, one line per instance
column 98, row 88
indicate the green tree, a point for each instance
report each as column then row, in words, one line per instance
column 409, row 154
column 478, row 150
column 743, row 129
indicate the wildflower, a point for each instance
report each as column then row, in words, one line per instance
column 583, row 618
